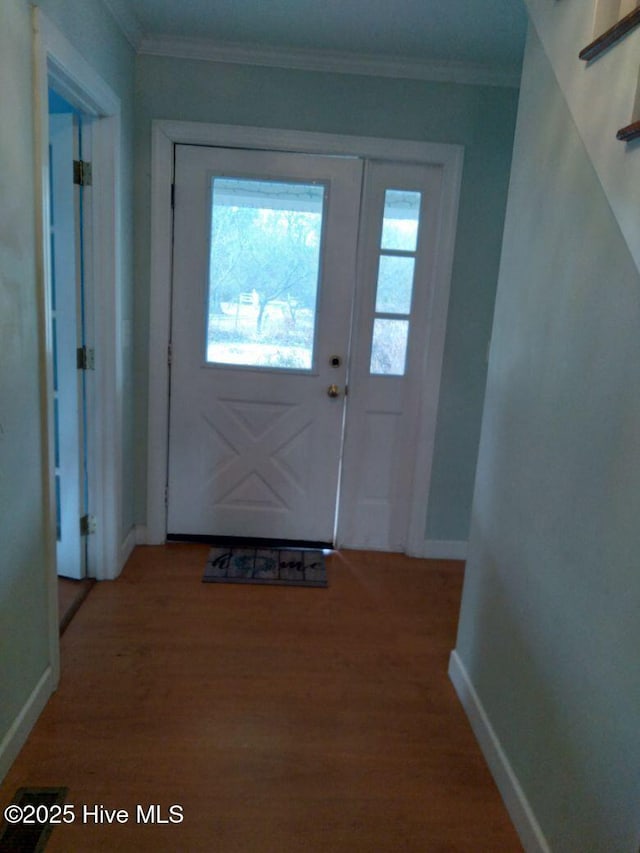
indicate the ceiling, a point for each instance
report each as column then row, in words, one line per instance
column 486, row 33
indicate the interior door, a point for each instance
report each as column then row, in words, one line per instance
column 68, row 389
column 263, row 282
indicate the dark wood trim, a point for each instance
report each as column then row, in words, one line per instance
column 612, row 35
column 631, row 131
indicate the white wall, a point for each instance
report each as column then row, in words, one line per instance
column 24, row 654
column 601, row 97
column 549, row 630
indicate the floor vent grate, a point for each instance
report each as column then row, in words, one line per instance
column 34, row 808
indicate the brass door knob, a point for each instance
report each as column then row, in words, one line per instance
column 333, row 391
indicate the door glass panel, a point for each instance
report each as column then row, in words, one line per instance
column 263, row 273
column 400, row 222
column 389, row 347
column 395, row 284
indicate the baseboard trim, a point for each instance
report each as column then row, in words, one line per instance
column 505, row 778
column 126, row 549
column 17, row 735
column 142, row 534
column 136, row 536
column 444, row 549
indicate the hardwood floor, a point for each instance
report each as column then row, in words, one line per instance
column 281, row 719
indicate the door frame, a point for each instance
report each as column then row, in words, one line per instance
column 164, row 136
column 57, row 62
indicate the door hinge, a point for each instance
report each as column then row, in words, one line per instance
column 82, row 173
column 173, row 196
column 88, row 525
column 86, row 358
column 166, row 496
column 169, row 355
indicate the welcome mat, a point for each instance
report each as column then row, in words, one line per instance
column 284, row 566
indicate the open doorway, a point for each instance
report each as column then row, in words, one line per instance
column 68, row 334
column 69, row 184
column 79, row 110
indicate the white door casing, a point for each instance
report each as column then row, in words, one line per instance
column 255, row 451
column 60, row 65
column 446, row 158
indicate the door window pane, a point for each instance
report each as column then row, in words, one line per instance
column 264, row 272
column 395, row 284
column 400, row 222
column 389, row 347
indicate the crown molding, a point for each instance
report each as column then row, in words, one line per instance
column 328, row 61
column 126, row 20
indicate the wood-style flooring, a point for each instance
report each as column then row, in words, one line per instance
column 280, row 719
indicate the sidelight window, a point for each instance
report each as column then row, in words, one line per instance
column 394, row 288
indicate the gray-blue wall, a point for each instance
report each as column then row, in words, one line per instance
column 549, row 629
column 480, row 118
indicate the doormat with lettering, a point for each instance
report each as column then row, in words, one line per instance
column 284, row 566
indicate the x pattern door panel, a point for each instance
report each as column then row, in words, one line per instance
column 266, row 445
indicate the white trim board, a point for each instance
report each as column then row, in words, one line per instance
column 327, row 61
column 137, row 535
column 515, row 799
column 17, row 735
column 141, row 534
column 75, row 78
column 164, row 135
column 128, row 544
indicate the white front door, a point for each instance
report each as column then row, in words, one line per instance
column 263, row 282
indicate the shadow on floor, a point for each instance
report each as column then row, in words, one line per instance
column 71, row 594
